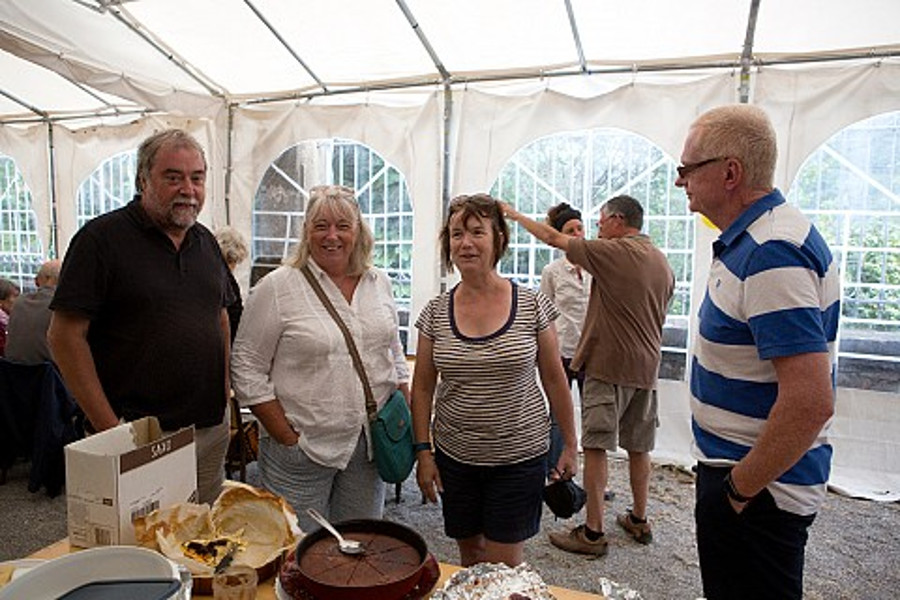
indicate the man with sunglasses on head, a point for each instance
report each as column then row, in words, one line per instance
column 619, row 350
column 762, row 373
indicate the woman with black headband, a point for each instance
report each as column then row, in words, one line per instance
column 568, row 286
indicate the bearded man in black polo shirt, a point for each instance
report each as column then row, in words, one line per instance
column 140, row 326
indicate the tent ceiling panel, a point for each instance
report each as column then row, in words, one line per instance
column 192, row 56
column 68, row 31
column 218, row 38
column 350, row 42
column 35, row 86
column 660, row 30
column 814, row 26
column 481, row 38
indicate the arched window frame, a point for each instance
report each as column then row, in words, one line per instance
column 850, row 189
column 21, row 250
column 109, row 186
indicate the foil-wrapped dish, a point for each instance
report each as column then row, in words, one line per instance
column 489, row 581
column 617, row 591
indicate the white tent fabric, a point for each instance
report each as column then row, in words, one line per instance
column 444, row 90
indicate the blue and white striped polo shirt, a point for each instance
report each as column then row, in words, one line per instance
column 773, row 291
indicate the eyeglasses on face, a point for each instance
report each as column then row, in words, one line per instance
column 605, row 217
column 685, row 170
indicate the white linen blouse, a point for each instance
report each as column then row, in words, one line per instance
column 288, row 347
column 560, row 283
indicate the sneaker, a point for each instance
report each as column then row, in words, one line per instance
column 575, row 541
column 639, row 531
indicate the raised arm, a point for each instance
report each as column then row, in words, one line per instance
column 541, row 231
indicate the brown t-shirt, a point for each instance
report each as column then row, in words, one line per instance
column 630, row 293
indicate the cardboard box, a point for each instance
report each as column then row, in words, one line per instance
column 125, row 472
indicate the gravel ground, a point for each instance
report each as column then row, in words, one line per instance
column 853, row 550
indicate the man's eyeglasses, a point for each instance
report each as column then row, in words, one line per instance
column 685, row 170
column 605, row 217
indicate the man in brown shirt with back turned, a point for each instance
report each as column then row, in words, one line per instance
column 620, row 352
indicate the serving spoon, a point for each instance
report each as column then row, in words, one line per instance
column 346, row 546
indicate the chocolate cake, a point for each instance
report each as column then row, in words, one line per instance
column 386, row 559
column 394, row 565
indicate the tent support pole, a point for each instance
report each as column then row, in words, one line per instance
column 286, row 45
column 445, row 166
column 423, row 39
column 747, row 53
column 576, row 37
column 54, row 205
column 229, row 158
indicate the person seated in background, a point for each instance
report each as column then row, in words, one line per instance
column 26, row 338
column 234, row 251
column 291, row 365
column 8, row 294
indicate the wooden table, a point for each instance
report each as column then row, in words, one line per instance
column 266, row 589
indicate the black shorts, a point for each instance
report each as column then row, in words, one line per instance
column 501, row 502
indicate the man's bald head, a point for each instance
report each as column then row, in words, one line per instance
column 48, row 274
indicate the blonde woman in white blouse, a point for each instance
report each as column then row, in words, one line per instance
column 292, row 368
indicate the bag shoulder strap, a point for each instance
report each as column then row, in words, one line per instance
column 351, row 345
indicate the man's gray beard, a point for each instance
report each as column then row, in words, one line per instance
column 183, row 222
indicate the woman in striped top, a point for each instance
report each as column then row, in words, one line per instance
column 485, row 338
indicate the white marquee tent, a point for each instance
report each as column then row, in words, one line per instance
column 447, row 91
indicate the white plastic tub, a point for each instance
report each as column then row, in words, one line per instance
column 59, row 576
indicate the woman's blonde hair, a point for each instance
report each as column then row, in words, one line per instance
column 342, row 203
column 232, row 244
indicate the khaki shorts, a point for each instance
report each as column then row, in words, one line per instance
column 613, row 416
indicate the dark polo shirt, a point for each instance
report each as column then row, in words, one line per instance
column 155, row 333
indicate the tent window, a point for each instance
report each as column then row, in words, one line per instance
column 585, row 169
column 110, row 186
column 21, row 251
column 383, row 198
column 850, row 188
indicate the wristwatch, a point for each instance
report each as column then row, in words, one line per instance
column 419, row 446
column 732, row 491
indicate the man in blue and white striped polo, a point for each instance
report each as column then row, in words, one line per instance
column 762, row 373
